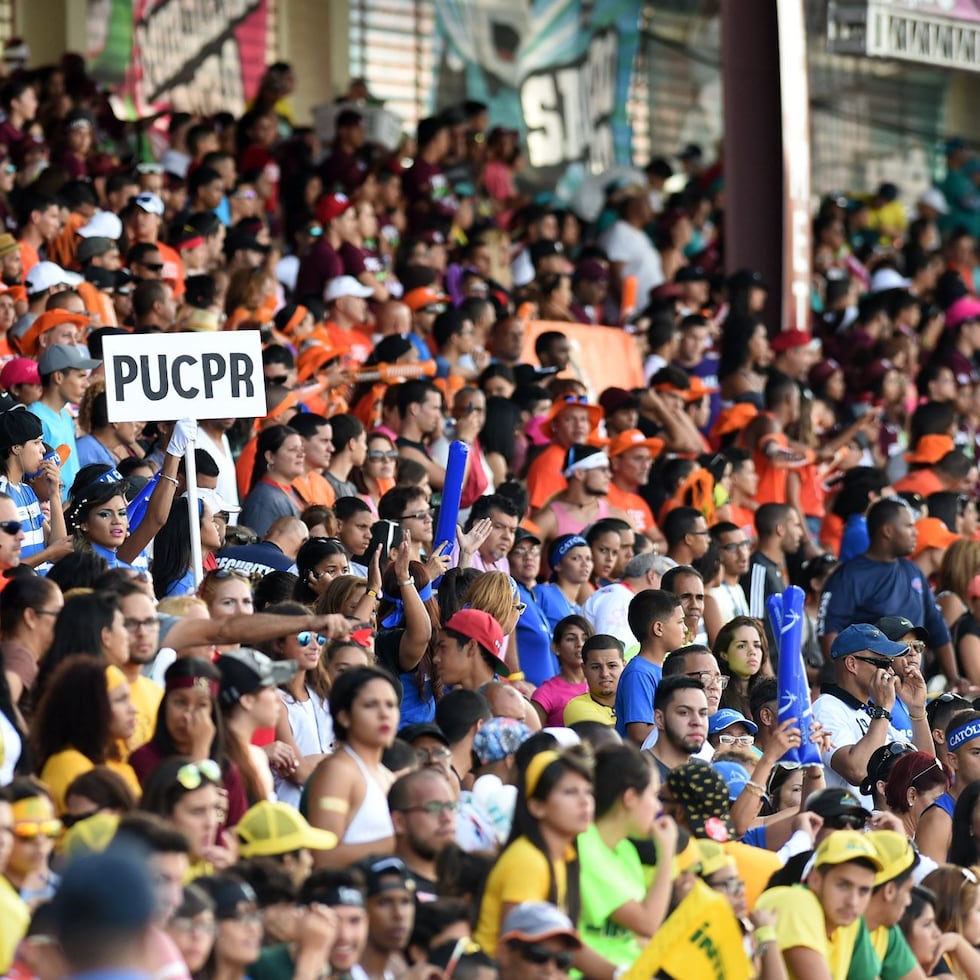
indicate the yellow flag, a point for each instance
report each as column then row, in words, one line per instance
column 701, row 938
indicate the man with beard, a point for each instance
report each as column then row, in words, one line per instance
column 680, row 715
column 143, row 627
column 583, row 501
column 390, row 907
column 420, row 421
column 423, row 810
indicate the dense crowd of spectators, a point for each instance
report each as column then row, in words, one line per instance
column 343, row 748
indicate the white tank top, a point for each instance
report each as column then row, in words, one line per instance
column 372, row 820
column 312, row 730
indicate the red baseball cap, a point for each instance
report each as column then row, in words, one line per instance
column 332, row 206
column 788, row 339
column 19, row 371
column 482, row 627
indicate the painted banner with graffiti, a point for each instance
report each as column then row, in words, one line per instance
column 190, row 55
column 558, row 70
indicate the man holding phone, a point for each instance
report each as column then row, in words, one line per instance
column 856, row 709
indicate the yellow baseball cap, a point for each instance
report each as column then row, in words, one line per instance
column 896, row 853
column 270, row 828
column 847, row 845
column 714, row 857
column 689, row 859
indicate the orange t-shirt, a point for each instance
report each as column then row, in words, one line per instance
column 744, row 518
column 544, row 478
column 922, row 482
column 64, row 246
column 314, row 488
column 173, row 268
column 244, row 467
column 772, row 479
column 28, row 257
column 812, row 494
column 356, row 344
column 637, row 509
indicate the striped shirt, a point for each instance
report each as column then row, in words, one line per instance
column 29, row 512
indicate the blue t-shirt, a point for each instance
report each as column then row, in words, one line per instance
column 538, row 663
column 864, row 590
column 59, row 429
column 554, row 604
column 854, row 541
column 634, row 696
column 90, row 450
column 259, row 558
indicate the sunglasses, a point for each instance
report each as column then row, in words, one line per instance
column 305, row 638
column 9, row 168
column 10, row 527
column 153, row 266
column 222, row 574
column 69, row 820
column 279, row 379
column 731, row 886
column 32, row 829
column 879, row 663
column 435, row 808
column 540, row 955
column 192, row 775
column 519, row 607
column 377, row 455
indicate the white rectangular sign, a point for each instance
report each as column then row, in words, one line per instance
column 158, row 377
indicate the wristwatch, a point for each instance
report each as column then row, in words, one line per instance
column 877, row 711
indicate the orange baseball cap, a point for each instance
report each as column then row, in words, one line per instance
column 733, row 418
column 932, row 533
column 698, row 390
column 632, row 438
column 417, row 299
column 931, row 449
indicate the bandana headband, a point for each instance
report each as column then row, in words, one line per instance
column 962, row 735
column 562, row 549
column 398, row 613
column 197, row 682
column 594, row 462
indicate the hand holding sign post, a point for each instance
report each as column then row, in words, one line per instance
column 187, row 376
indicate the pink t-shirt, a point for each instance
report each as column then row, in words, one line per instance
column 553, row 695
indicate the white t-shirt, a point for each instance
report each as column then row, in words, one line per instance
column 220, row 452
column 847, row 726
column 607, row 610
column 631, row 246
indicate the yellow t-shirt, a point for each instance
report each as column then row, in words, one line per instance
column 146, row 696
column 801, row 922
column 584, row 708
column 15, row 917
column 520, row 875
column 61, row 770
column 755, row 866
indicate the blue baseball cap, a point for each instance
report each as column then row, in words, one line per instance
column 727, row 717
column 736, row 775
column 864, row 636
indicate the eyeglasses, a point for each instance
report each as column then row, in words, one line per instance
column 734, row 546
column 731, row 886
column 194, row 925
column 746, row 741
column 305, row 638
column 32, row 829
column 378, row 455
column 10, row 527
column 425, row 756
column 846, row 821
column 710, row 679
column 533, row 552
column 434, row 808
column 192, row 775
column 704, row 533
column 540, row 955
column 48, row 612
column 422, row 515
column 519, row 607
column 135, row 625
column 879, row 663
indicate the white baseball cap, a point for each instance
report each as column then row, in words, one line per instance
column 935, row 199
column 150, row 203
column 103, row 224
column 43, row 276
column 346, row 286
